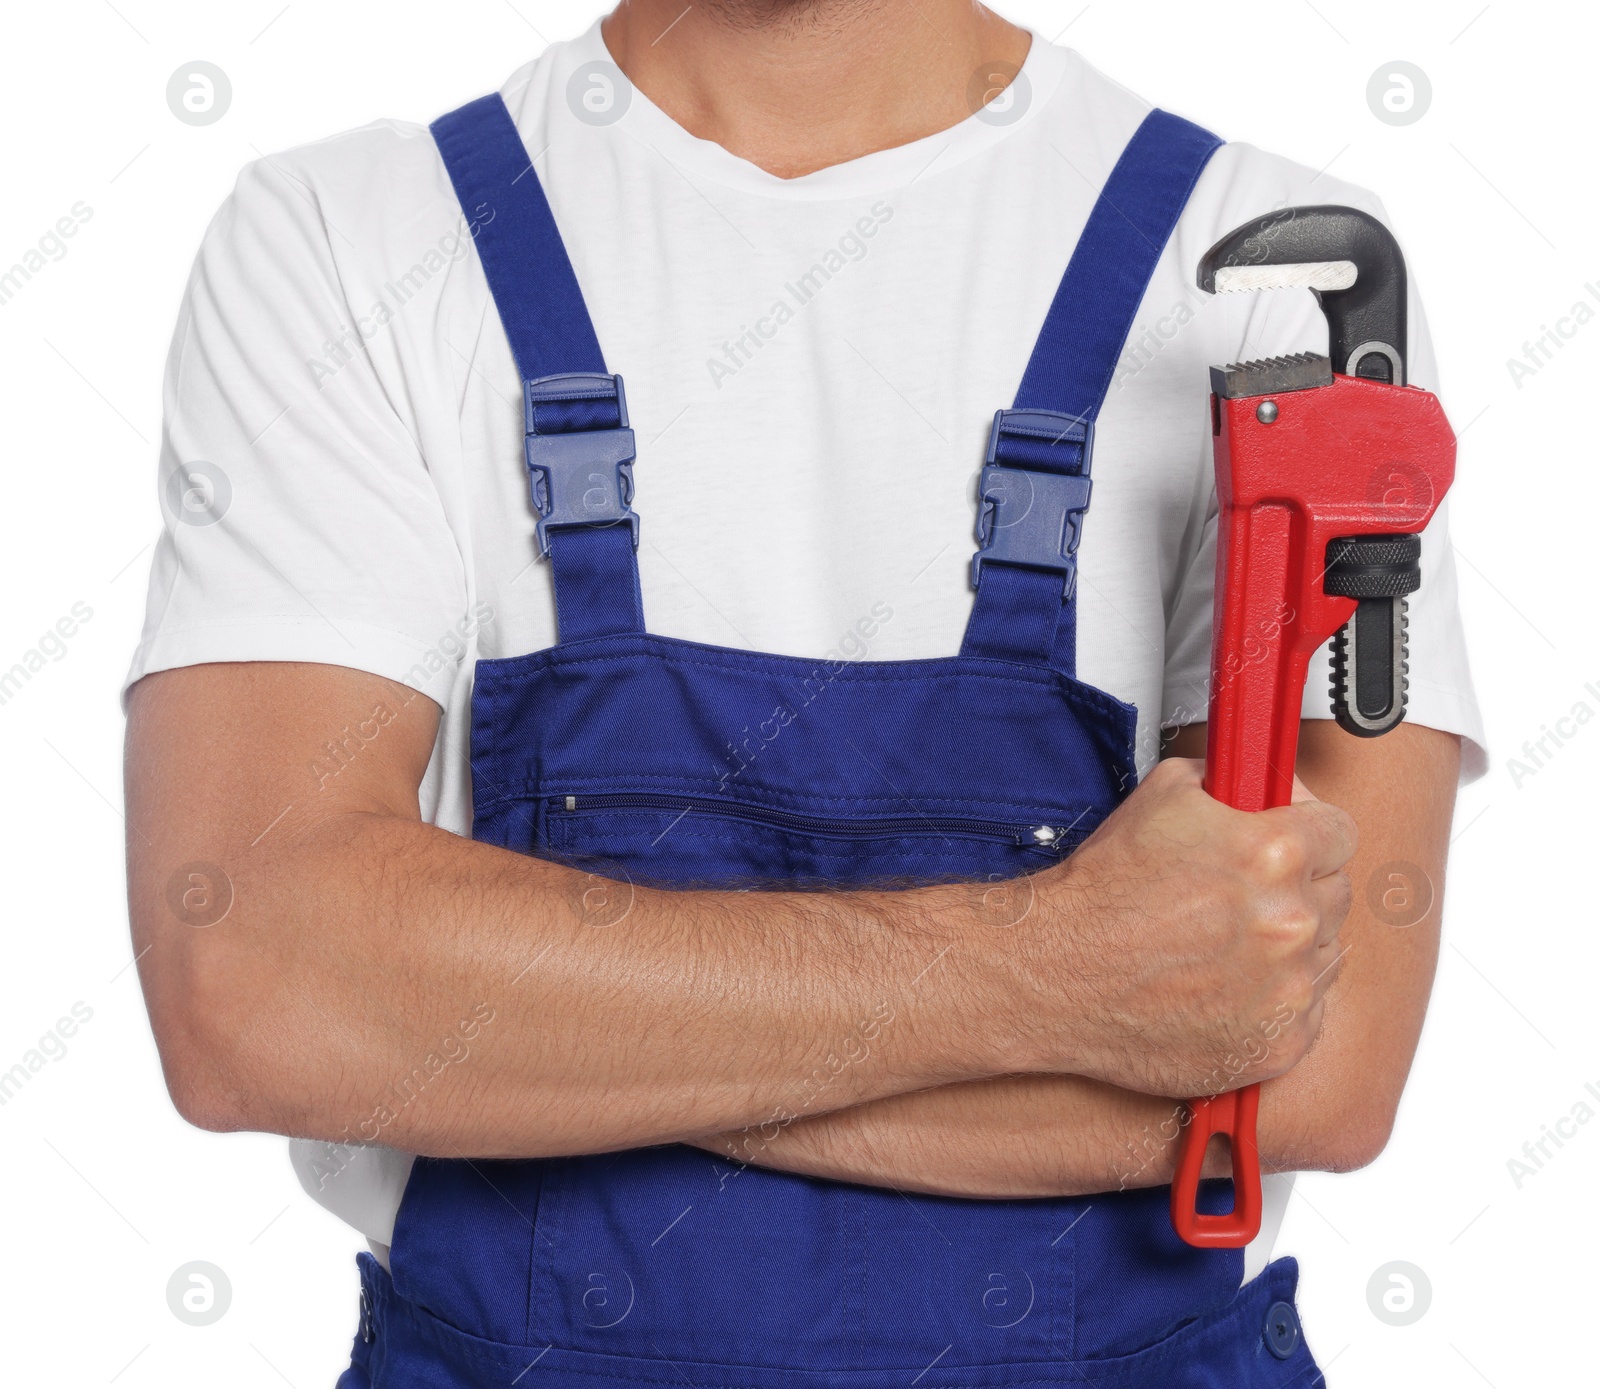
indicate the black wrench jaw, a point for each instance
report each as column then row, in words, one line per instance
column 1367, row 319
column 1369, row 652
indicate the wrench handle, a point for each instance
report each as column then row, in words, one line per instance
column 1258, row 673
column 1258, row 660
column 1232, row 1114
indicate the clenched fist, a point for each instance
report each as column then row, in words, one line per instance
column 1188, row 945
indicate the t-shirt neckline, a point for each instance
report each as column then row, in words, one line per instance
column 1040, row 77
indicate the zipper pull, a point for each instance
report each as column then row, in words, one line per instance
column 572, row 802
column 1045, row 836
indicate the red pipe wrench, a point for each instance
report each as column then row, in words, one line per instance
column 1327, row 470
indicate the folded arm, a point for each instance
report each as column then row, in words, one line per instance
column 1025, row 1136
column 319, row 962
column 377, row 977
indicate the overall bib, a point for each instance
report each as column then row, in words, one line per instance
column 610, row 751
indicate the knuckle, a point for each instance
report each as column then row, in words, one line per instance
column 1172, row 774
column 1288, row 930
column 1300, row 995
column 1277, row 854
column 1302, row 924
column 1287, row 1048
column 1164, row 771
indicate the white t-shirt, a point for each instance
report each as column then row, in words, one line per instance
column 811, row 369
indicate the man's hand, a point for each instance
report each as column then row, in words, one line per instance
column 1200, row 933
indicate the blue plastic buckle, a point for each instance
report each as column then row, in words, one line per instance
column 582, row 477
column 1027, row 513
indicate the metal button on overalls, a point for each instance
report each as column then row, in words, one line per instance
column 609, row 751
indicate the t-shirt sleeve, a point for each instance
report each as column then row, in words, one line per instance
column 1441, row 693
column 300, row 520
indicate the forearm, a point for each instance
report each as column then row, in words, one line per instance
column 376, row 977
column 1017, row 1137
column 1009, row 1137
column 1061, row 1135
column 353, row 954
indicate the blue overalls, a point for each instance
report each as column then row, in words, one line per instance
column 610, row 751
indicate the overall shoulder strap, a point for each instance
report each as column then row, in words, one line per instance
column 1035, row 484
column 579, row 448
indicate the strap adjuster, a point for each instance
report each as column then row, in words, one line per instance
column 579, row 477
column 1033, row 492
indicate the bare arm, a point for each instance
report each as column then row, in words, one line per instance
column 360, row 941
column 1063, row 1135
column 362, row 950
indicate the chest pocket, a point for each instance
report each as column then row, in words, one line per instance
column 696, row 841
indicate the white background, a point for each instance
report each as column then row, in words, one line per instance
column 107, row 1192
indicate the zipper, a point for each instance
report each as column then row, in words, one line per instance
column 1044, row 837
